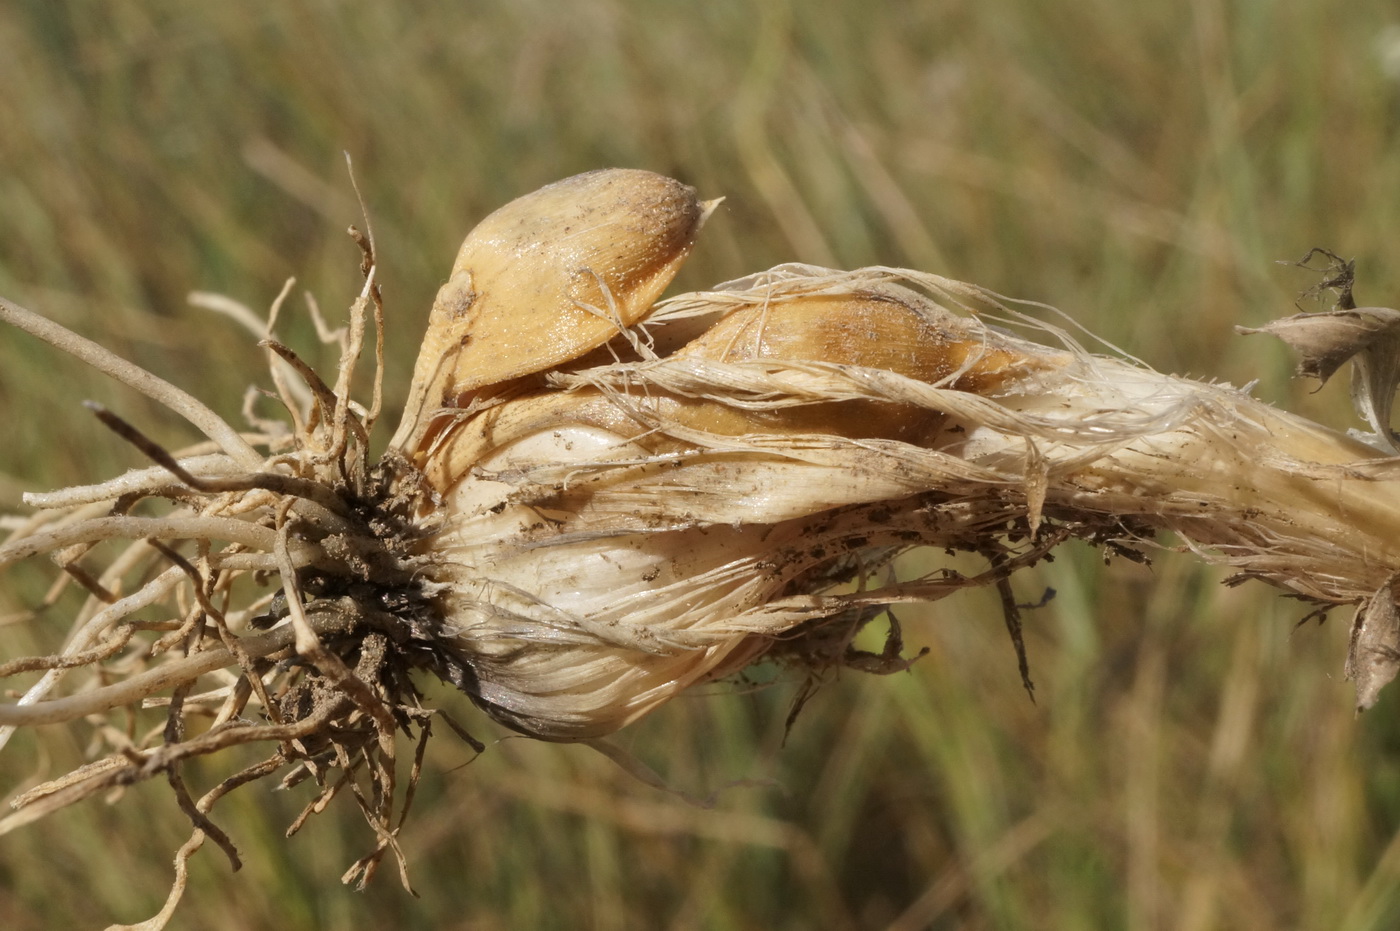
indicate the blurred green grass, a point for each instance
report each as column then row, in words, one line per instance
column 1191, row 762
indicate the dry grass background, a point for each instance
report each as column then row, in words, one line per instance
column 1192, row 761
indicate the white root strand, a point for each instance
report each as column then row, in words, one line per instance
column 131, row 691
column 138, row 481
column 227, row 529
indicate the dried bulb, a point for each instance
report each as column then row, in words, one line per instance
column 601, row 552
column 605, row 537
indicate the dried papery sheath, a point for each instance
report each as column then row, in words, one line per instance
column 578, row 517
column 545, row 279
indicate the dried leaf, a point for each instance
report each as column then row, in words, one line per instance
column 1374, row 656
column 1368, row 337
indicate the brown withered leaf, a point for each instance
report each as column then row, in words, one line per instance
column 1373, row 658
column 1368, row 337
